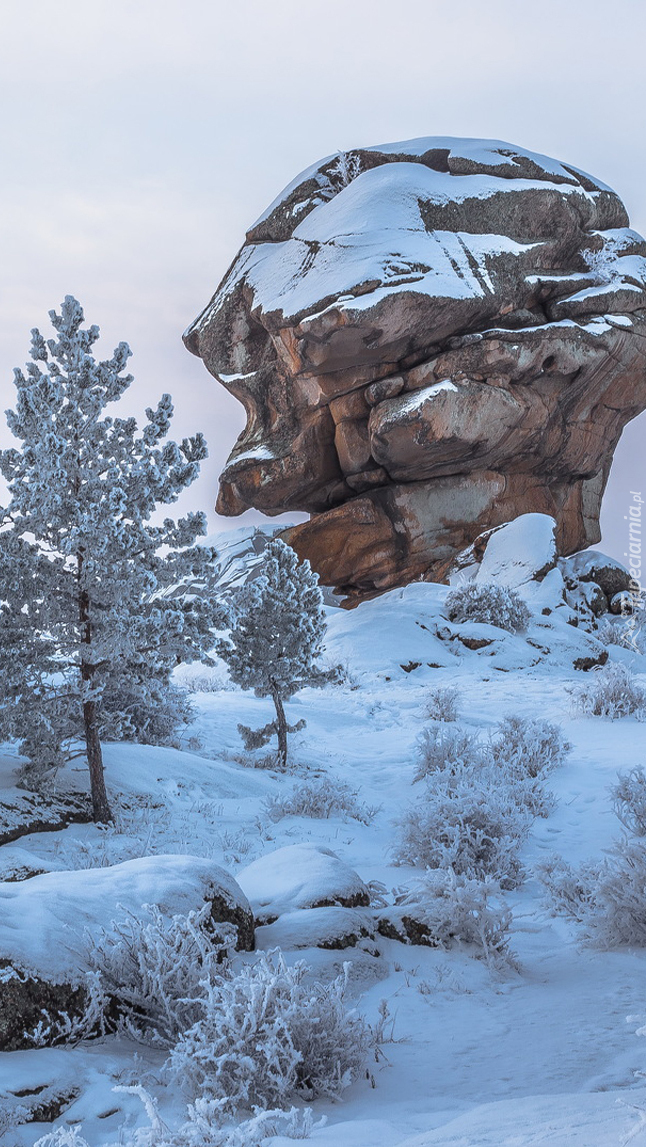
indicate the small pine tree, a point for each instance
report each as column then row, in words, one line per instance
column 88, row 636
column 276, row 633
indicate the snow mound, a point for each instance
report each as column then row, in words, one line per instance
column 548, row 1120
column 300, row 876
column 48, row 923
column 520, row 551
column 331, row 927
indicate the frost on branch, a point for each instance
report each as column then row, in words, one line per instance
column 153, row 969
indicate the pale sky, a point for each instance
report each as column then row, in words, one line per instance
column 140, row 138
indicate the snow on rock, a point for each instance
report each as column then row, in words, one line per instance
column 23, row 812
column 47, row 924
column 50, row 923
column 300, row 876
column 402, row 325
column 331, row 927
column 391, row 633
column 406, row 631
column 520, row 551
column 592, row 566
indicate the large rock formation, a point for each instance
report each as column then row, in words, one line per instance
column 429, row 339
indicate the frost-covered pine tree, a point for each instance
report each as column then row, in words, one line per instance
column 277, row 628
column 88, row 635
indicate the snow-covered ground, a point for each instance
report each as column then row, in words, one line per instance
column 541, row 1053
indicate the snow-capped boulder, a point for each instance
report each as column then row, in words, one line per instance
column 592, row 566
column 332, row 927
column 300, row 876
column 402, row 326
column 50, row 923
column 520, row 551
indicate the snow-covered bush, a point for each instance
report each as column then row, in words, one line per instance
column 529, row 747
column 467, row 823
column 266, row 1034
column 523, row 751
column 607, row 899
column 243, row 1037
column 201, row 679
column 320, row 798
column 570, row 889
column 440, row 748
column 457, row 908
column 489, row 604
column 514, row 761
column 629, row 800
column 620, row 631
column 610, row 691
column 202, row 1128
column 153, row 970
column 442, row 704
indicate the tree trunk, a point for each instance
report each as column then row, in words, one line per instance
column 100, row 804
column 281, row 723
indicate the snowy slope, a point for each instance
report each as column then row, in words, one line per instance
column 539, row 1054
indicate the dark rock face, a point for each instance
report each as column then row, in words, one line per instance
column 430, row 339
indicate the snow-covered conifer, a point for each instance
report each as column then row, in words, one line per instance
column 275, row 640
column 88, row 633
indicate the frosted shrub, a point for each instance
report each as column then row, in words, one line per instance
column 440, row 748
column 629, row 800
column 320, row 799
column 608, row 899
column 442, row 704
column 153, row 970
column 570, row 890
column 529, row 747
column 474, row 828
column 610, row 691
column 457, row 908
column 264, row 1034
column 489, row 604
column 202, row 679
column 523, row 751
column 202, row 1128
column 63, row 1137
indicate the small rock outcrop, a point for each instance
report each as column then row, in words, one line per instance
column 429, row 339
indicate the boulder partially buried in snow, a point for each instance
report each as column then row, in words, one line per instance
column 300, row 876
column 592, row 566
column 520, row 551
column 333, row 928
column 49, row 924
column 429, row 338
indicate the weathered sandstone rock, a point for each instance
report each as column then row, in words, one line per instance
column 429, row 338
